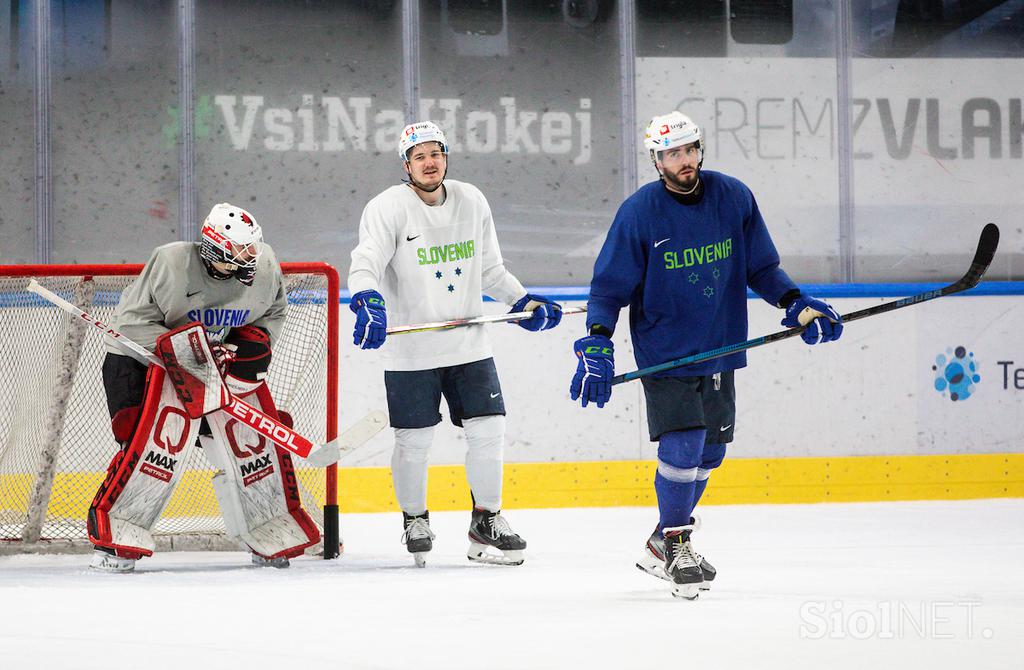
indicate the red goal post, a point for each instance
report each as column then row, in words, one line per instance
column 55, row 439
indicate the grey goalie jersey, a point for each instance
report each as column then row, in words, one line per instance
column 175, row 288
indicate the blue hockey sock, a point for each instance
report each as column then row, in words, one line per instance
column 711, row 458
column 679, row 453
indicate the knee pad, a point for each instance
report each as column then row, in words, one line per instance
column 412, row 445
column 485, row 436
column 711, row 458
column 679, row 454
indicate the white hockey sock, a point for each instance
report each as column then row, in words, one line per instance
column 485, row 437
column 409, row 468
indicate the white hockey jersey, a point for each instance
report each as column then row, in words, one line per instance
column 175, row 288
column 432, row 264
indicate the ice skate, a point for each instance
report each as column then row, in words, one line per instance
column 104, row 560
column 653, row 560
column 263, row 562
column 681, row 563
column 491, row 540
column 418, row 538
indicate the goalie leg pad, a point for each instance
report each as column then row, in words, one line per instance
column 256, row 486
column 142, row 476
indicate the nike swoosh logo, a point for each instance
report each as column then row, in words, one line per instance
column 189, row 295
column 726, row 427
column 660, row 242
column 410, row 239
column 495, row 395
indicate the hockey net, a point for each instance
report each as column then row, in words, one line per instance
column 55, row 437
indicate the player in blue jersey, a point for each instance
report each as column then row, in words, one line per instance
column 681, row 253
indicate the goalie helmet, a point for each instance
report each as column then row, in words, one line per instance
column 418, row 133
column 672, row 130
column 232, row 243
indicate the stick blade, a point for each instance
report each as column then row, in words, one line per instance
column 360, row 432
column 987, row 245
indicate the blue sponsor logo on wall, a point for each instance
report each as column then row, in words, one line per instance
column 956, row 372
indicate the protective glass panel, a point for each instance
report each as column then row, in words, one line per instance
column 760, row 79
column 938, row 142
column 529, row 94
column 301, row 107
column 17, row 127
column 115, row 129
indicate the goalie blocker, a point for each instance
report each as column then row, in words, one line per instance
column 158, row 421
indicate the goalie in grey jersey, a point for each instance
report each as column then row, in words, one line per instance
column 429, row 247
column 214, row 309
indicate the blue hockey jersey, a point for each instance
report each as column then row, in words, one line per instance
column 684, row 270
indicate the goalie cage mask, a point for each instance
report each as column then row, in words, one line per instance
column 231, row 236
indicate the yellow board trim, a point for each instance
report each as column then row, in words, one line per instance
column 193, row 496
column 738, row 481
column 613, row 484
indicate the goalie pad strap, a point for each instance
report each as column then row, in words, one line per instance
column 192, row 368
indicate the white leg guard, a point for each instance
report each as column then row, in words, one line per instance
column 485, row 437
column 409, row 468
column 256, row 486
column 142, row 476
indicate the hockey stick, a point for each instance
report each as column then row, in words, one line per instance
column 319, row 455
column 456, row 323
column 361, row 431
column 982, row 258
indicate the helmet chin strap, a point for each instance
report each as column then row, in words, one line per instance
column 224, row 270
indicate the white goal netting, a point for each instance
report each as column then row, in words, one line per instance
column 55, row 437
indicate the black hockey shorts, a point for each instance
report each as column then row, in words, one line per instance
column 124, row 380
column 685, row 403
column 470, row 389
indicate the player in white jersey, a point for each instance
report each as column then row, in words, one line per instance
column 428, row 247
column 224, row 295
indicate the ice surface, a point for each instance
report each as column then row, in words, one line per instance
column 880, row 585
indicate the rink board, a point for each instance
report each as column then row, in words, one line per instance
column 859, row 420
column 873, row 393
column 630, row 483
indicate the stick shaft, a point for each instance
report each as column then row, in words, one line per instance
column 473, row 321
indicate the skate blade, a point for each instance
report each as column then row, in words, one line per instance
column 686, row 591
column 656, row 569
column 483, row 553
column 653, row 568
column 420, row 557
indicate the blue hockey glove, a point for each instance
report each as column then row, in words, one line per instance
column 594, row 370
column 546, row 313
column 823, row 322
column 371, row 319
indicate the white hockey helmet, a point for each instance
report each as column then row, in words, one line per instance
column 671, row 130
column 231, row 237
column 418, row 133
